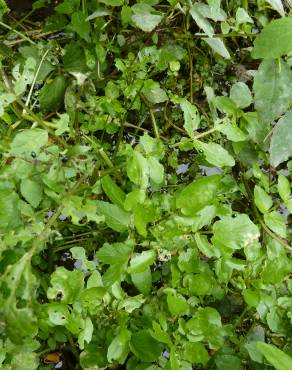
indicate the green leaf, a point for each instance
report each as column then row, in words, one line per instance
column 215, row 154
column 143, row 17
column 284, row 187
column 241, row 95
column 113, row 191
column 191, row 117
column 156, row 170
column 65, row 285
column 9, row 211
column 201, row 284
column 143, row 281
column 177, row 304
column 119, row 347
column 58, row 313
column 202, row 23
column 51, row 96
column 272, row 86
column 140, row 262
column 144, row 346
column 198, row 194
column 115, row 217
column 234, row 233
column 275, row 221
column 116, row 255
column 279, row 359
column 154, row 92
column 160, row 335
column 275, row 40
column 232, row 132
column 62, row 123
column 80, row 25
column 24, row 361
column 28, row 141
column 32, row 191
column 138, row 170
column 217, row 45
column 262, row 200
column 280, row 148
column 278, row 6
column 195, row 353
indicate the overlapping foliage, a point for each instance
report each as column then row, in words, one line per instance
column 145, row 186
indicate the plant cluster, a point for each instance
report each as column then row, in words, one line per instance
column 145, row 185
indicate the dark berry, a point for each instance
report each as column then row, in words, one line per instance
column 33, row 154
column 64, row 159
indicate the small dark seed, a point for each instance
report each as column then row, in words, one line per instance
column 33, row 154
column 64, row 159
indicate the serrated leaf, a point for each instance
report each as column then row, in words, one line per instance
column 177, row 304
column 272, row 86
column 280, row 147
column 275, row 40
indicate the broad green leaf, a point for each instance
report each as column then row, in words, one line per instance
column 5, row 100
column 51, row 96
column 274, row 40
column 28, row 141
column 284, row 187
column 262, row 200
column 26, row 77
column 65, row 285
column 156, row 170
column 143, row 214
column 116, row 255
column 241, row 95
column 201, row 284
column 115, row 217
column 80, row 25
column 228, row 362
column 119, row 347
column 32, row 191
column 132, row 303
column 280, row 147
column 279, row 359
column 202, row 23
column 144, row 346
column 62, row 124
column 138, row 170
column 198, row 194
column 143, row 281
column 144, row 18
column 86, row 333
column 76, row 208
column 191, row 117
column 195, row 353
column 24, row 361
column 113, row 191
column 160, row 335
column 272, row 86
column 217, row 45
column 215, row 154
column 140, row 262
column 275, row 221
column 177, row 304
column 58, row 313
column 9, row 211
column 232, row 132
column 153, row 92
column 234, row 233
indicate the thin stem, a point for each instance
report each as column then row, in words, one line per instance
column 196, row 137
column 17, row 32
column 155, row 128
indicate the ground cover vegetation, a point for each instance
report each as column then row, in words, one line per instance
column 145, row 185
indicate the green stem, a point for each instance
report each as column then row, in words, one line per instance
column 155, row 128
column 17, row 32
column 196, row 137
